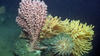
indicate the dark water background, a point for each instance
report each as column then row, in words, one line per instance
column 84, row 10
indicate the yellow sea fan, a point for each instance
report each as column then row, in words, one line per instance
column 81, row 47
column 52, row 27
column 82, row 35
column 78, row 30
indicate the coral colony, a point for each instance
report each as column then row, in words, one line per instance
column 45, row 35
column 31, row 18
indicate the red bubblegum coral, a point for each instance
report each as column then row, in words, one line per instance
column 31, row 17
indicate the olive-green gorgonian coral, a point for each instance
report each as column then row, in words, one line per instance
column 22, row 49
column 62, row 44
